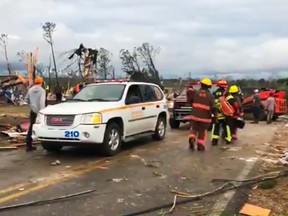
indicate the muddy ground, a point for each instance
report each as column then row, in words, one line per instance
column 140, row 177
column 273, row 196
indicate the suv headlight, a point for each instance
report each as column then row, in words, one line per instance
column 39, row 119
column 91, row 118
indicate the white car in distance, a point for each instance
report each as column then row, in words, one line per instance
column 104, row 114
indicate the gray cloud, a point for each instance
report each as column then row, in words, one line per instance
column 194, row 35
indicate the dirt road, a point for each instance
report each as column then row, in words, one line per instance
column 138, row 178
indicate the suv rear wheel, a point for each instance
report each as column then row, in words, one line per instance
column 160, row 129
column 174, row 124
column 112, row 139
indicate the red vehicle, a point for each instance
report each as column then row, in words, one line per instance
column 281, row 102
column 181, row 108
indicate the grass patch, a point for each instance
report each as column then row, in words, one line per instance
column 6, row 109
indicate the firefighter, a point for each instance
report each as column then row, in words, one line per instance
column 202, row 102
column 231, row 120
column 220, row 121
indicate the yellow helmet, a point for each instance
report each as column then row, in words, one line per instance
column 233, row 89
column 206, row 82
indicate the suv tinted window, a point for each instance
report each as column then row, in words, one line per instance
column 150, row 93
column 133, row 95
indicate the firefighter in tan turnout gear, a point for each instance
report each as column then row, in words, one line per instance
column 202, row 102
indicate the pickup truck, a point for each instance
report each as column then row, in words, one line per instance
column 179, row 108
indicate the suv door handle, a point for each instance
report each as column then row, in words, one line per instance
column 143, row 108
column 157, row 106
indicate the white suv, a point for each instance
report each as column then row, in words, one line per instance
column 104, row 113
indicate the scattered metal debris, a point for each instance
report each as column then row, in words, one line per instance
column 117, row 180
column 150, row 163
column 55, row 163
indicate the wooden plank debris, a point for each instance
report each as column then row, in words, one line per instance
column 252, row 210
column 7, row 148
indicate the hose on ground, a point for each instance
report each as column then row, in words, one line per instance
column 42, row 202
column 224, row 188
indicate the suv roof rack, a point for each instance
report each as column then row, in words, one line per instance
column 198, row 83
column 110, row 80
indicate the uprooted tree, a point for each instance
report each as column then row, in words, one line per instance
column 139, row 64
column 30, row 60
column 86, row 58
column 104, row 67
column 4, row 43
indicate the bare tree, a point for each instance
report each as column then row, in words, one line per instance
column 48, row 29
column 148, row 53
column 104, row 67
column 140, row 63
column 130, row 61
column 40, row 69
column 4, row 43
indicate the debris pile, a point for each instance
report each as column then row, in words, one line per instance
column 273, row 195
column 13, row 137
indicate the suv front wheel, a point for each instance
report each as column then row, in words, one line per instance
column 160, row 129
column 112, row 139
column 51, row 147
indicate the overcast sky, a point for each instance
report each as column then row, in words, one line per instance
column 246, row 36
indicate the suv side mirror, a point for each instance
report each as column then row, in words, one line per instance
column 133, row 100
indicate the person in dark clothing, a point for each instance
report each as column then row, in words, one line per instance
column 256, row 107
column 202, row 102
column 58, row 92
column 35, row 97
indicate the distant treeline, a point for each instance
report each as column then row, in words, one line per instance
column 280, row 84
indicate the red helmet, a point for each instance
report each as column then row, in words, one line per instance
column 222, row 83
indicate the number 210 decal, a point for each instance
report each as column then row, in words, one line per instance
column 70, row 134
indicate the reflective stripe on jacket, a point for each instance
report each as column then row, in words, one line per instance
column 203, row 104
column 217, row 94
column 234, row 103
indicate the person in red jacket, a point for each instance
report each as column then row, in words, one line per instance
column 203, row 107
column 189, row 91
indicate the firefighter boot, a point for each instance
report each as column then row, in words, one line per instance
column 228, row 142
column 191, row 143
column 200, row 147
column 214, row 142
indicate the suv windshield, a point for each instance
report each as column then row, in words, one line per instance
column 100, row 92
